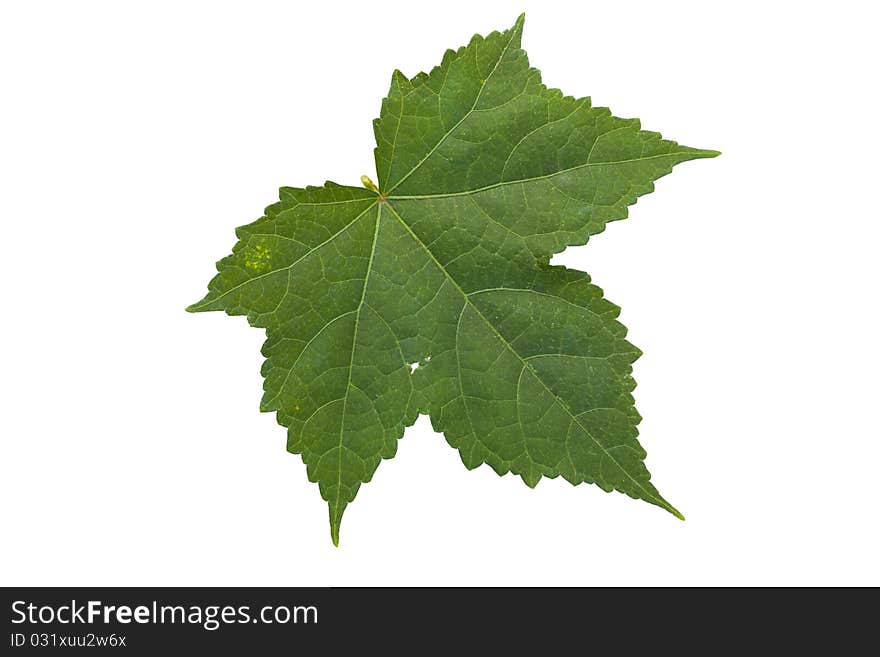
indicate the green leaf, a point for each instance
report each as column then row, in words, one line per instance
column 431, row 291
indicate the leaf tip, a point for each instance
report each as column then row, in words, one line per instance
column 398, row 78
column 335, row 522
column 201, row 305
column 654, row 497
column 518, row 25
column 666, row 505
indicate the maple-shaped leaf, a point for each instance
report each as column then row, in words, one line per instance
column 430, row 292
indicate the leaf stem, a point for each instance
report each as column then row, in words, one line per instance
column 369, row 184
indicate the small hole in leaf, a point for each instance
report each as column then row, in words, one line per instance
column 414, row 366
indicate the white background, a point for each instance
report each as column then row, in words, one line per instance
column 135, row 136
